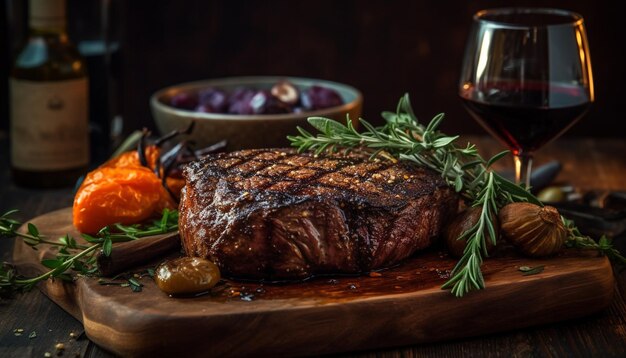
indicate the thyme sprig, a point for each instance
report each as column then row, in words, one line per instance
column 71, row 255
column 604, row 245
column 128, row 280
column 404, row 138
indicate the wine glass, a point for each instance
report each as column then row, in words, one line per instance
column 526, row 77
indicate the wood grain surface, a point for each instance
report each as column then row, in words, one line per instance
column 404, row 305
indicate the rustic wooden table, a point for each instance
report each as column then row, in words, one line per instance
column 587, row 164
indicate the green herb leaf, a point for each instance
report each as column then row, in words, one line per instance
column 516, row 191
column 442, row 142
column 496, row 157
column 527, row 271
column 91, row 239
column 107, row 246
column 52, row 263
column 32, row 229
column 325, row 125
column 31, row 241
column 164, row 219
column 9, row 213
column 458, row 183
column 434, row 123
column 134, row 282
column 78, row 266
column 71, row 242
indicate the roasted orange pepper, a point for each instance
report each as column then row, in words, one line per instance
column 123, row 191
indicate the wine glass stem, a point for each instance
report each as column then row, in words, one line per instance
column 523, row 165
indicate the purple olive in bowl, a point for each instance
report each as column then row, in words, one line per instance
column 283, row 97
column 256, row 117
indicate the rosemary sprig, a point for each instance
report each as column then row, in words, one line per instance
column 467, row 275
column 403, row 137
column 71, row 255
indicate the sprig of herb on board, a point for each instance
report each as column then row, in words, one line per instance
column 404, row 138
column 528, row 271
column 129, row 280
column 71, row 255
column 579, row 241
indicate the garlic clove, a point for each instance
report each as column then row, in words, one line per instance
column 534, row 230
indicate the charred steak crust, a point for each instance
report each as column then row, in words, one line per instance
column 276, row 214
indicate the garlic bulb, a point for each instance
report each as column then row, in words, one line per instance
column 534, row 230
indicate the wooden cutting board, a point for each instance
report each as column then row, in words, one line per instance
column 402, row 306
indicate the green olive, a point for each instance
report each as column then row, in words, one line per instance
column 186, row 275
column 551, row 194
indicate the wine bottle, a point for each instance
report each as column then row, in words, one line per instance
column 49, row 103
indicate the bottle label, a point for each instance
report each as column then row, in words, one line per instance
column 49, row 124
column 47, row 14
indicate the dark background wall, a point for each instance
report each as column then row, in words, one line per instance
column 384, row 48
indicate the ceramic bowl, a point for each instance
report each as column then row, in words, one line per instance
column 248, row 131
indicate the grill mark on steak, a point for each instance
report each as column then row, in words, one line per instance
column 315, row 173
column 277, row 214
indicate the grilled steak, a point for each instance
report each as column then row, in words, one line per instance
column 276, row 214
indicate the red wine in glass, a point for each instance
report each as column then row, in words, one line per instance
column 526, row 77
column 527, row 116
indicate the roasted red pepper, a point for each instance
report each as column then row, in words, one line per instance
column 123, row 191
